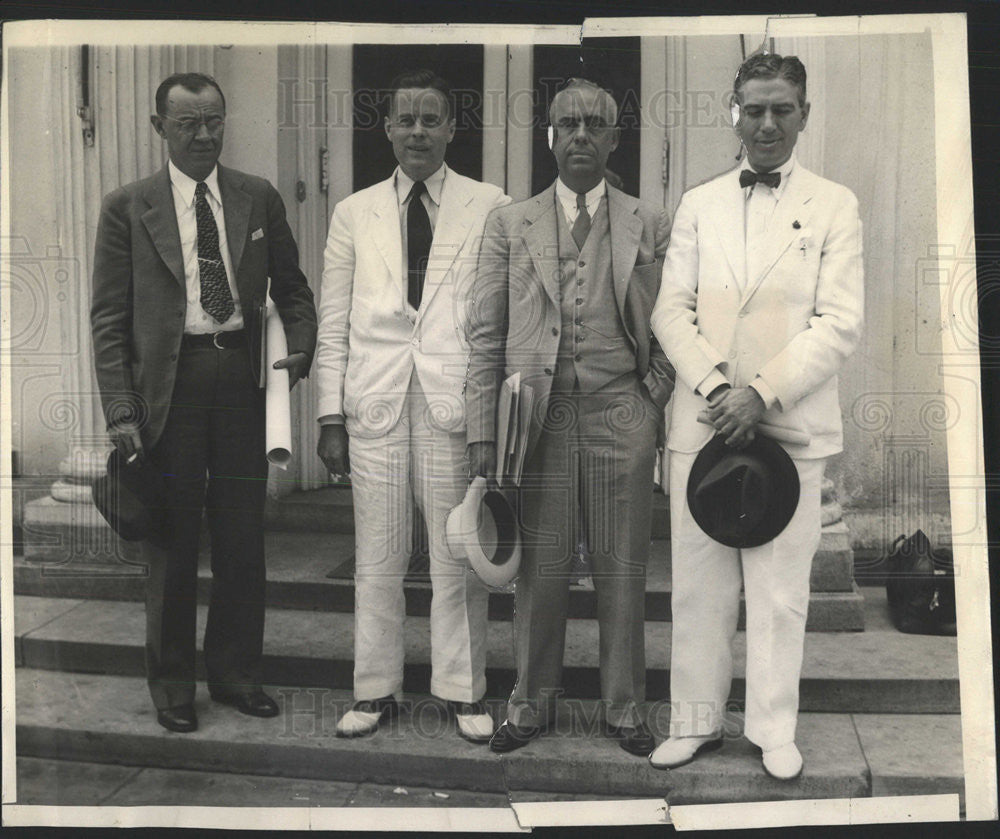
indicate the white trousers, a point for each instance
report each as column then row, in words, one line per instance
column 705, row 600
column 413, row 462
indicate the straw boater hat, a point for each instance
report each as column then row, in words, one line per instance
column 483, row 530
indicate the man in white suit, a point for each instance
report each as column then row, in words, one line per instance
column 760, row 304
column 391, row 363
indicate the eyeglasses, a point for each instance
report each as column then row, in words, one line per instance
column 191, row 126
column 425, row 120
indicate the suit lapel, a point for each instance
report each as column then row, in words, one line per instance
column 540, row 237
column 236, row 206
column 450, row 232
column 384, row 229
column 781, row 232
column 730, row 223
column 161, row 223
column 626, row 231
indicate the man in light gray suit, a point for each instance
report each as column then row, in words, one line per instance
column 564, row 291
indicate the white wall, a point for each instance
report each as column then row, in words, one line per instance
column 39, row 349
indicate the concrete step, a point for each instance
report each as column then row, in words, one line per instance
column 331, row 510
column 109, row 719
column 299, row 565
column 877, row 671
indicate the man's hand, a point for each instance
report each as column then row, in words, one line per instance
column 297, row 363
column 129, row 444
column 482, row 461
column 333, row 449
column 735, row 413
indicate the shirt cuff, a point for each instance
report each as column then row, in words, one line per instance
column 711, row 382
column 332, row 419
column 765, row 392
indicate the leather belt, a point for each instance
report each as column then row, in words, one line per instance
column 231, row 340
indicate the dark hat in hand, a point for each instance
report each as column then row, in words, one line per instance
column 743, row 497
column 131, row 498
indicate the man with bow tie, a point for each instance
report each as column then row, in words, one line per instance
column 761, row 303
column 181, row 270
column 564, row 290
column 391, row 362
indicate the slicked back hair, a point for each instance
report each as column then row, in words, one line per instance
column 773, row 66
column 574, row 83
column 422, row 79
column 193, row 82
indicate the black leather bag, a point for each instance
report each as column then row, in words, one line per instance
column 920, row 584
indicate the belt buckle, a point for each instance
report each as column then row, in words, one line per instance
column 215, row 341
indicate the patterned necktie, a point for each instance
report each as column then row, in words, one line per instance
column 418, row 244
column 748, row 177
column 216, row 298
column 581, row 227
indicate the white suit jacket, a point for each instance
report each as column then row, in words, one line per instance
column 793, row 325
column 369, row 339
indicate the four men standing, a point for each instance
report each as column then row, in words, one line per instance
column 434, row 291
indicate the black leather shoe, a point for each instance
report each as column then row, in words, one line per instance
column 253, row 704
column 509, row 737
column 181, row 719
column 636, row 740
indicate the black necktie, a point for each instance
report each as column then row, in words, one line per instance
column 748, row 177
column 216, row 298
column 418, row 244
column 581, row 227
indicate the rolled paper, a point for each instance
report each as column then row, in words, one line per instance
column 278, row 408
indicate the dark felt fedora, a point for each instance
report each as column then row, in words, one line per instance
column 743, row 498
column 131, row 496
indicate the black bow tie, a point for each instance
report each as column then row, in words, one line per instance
column 748, row 177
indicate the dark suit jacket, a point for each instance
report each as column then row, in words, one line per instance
column 513, row 324
column 139, row 295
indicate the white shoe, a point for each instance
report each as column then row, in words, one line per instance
column 678, row 751
column 783, row 763
column 365, row 716
column 474, row 723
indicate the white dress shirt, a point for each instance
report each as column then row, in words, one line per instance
column 196, row 319
column 567, row 200
column 431, row 200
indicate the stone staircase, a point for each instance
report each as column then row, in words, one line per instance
column 79, row 628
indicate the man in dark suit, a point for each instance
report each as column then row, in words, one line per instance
column 564, row 289
column 181, row 269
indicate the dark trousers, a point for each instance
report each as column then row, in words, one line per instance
column 590, row 476
column 212, row 456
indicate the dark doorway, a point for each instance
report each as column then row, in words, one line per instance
column 375, row 66
column 613, row 63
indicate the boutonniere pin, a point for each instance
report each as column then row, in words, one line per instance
column 805, row 237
